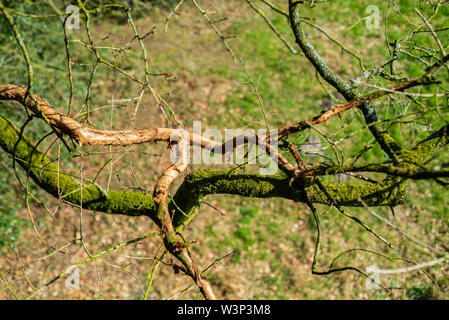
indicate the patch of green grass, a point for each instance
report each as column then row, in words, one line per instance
column 11, row 225
column 419, row 293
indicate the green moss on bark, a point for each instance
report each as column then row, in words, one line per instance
column 201, row 183
column 47, row 175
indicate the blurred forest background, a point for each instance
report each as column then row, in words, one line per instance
column 267, row 244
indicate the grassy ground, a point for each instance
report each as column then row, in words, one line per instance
column 272, row 240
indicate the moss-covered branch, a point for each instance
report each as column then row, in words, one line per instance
column 384, row 139
column 411, row 162
column 197, row 185
column 388, row 192
column 49, row 177
column 200, row 183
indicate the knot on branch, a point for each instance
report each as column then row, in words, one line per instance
column 177, row 247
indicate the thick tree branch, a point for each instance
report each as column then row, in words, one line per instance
column 52, row 179
column 200, row 183
column 340, row 108
column 386, row 142
column 196, row 185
